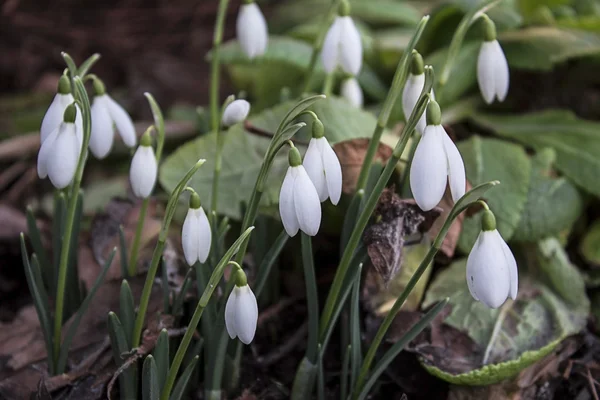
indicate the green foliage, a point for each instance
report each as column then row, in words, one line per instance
column 590, row 245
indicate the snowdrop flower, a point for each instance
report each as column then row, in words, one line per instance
column 143, row 171
column 322, row 165
column 59, row 153
column 241, row 310
column 352, row 92
column 235, row 112
column 252, row 30
column 56, row 111
column 492, row 67
column 342, row 45
column 413, row 88
column 195, row 234
column 436, row 161
column 106, row 114
column 299, row 204
column 492, row 274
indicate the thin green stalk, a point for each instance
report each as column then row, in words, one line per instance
column 312, row 298
column 388, row 104
column 214, row 64
column 132, row 265
column 328, row 84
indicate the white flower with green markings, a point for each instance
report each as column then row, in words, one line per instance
column 241, row 310
column 342, row 45
column 252, row 32
column 492, row 67
column 56, row 111
column 196, row 236
column 144, row 168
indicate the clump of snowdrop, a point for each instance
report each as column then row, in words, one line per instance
column 252, row 32
column 351, row 91
column 59, row 153
column 492, row 67
column 196, row 236
column 241, row 310
column 144, row 168
column 54, row 115
column 413, row 88
column 235, row 112
column 435, row 162
column 342, row 45
column 106, row 115
column 322, row 165
column 299, row 203
column 492, row 274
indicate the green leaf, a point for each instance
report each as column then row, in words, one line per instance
column 576, row 141
column 488, row 159
column 183, row 380
column 38, row 248
column 540, row 48
column 243, row 153
column 590, row 245
column 161, row 355
column 118, row 342
column 529, row 7
column 126, row 310
column 150, row 390
column 553, row 204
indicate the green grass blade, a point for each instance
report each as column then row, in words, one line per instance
column 118, row 340
column 161, row 355
column 150, row 390
column 126, row 310
column 183, row 380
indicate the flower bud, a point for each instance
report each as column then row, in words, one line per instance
column 252, row 30
column 144, row 169
column 235, row 112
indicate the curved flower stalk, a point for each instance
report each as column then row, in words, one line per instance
column 412, row 89
column 492, row 274
column 323, row 166
column 351, row 91
column 59, row 153
column 196, row 235
column 299, row 204
column 54, row 115
column 144, row 168
column 342, row 45
column 241, row 310
column 492, row 67
column 436, row 161
column 252, row 31
column 106, row 115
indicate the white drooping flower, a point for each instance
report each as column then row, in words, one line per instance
column 322, row 166
column 342, row 45
column 144, row 168
column 241, row 313
column 106, row 115
column 54, row 115
column 492, row 274
column 235, row 112
column 59, row 153
column 351, row 91
column 299, row 204
column 435, row 162
column 252, row 32
column 492, row 67
column 196, row 234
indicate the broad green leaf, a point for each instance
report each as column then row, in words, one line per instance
column 491, row 159
column 243, row 153
column 553, row 204
column 540, row 48
column 576, row 141
column 590, row 245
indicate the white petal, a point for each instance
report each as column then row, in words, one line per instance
column 410, row 96
column 204, row 236
column 485, row 71
column 246, row 314
column 235, row 112
column 55, row 114
column 333, row 171
column 189, row 237
column 63, row 156
column 428, row 171
column 351, row 51
column 79, row 126
column 252, row 30
column 306, row 203
column 142, row 174
column 352, row 92
column 501, row 72
column 456, row 167
column 488, row 271
column 287, row 210
column 122, row 121
column 313, row 164
column 512, row 266
column 230, row 309
column 472, row 268
column 331, row 46
column 103, row 132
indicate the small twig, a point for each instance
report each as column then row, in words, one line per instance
column 284, row 349
column 264, row 133
column 592, row 382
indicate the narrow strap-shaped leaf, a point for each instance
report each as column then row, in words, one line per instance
column 344, row 374
column 350, row 219
column 165, row 287
column 87, row 64
column 178, row 303
column 320, row 377
column 126, row 310
column 161, row 355
column 118, row 340
column 37, row 274
column 66, row 343
column 123, row 253
column 41, row 304
column 150, row 390
column 393, row 352
column 35, row 238
column 60, row 205
column 355, row 331
column 268, row 262
column 70, row 64
column 73, row 283
column 183, row 380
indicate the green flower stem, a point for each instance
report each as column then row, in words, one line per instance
column 312, row 297
column 218, row 162
column 208, row 291
column 157, row 255
column 82, row 98
column 214, row 64
column 328, row 84
column 132, row 265
column 388, row 104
